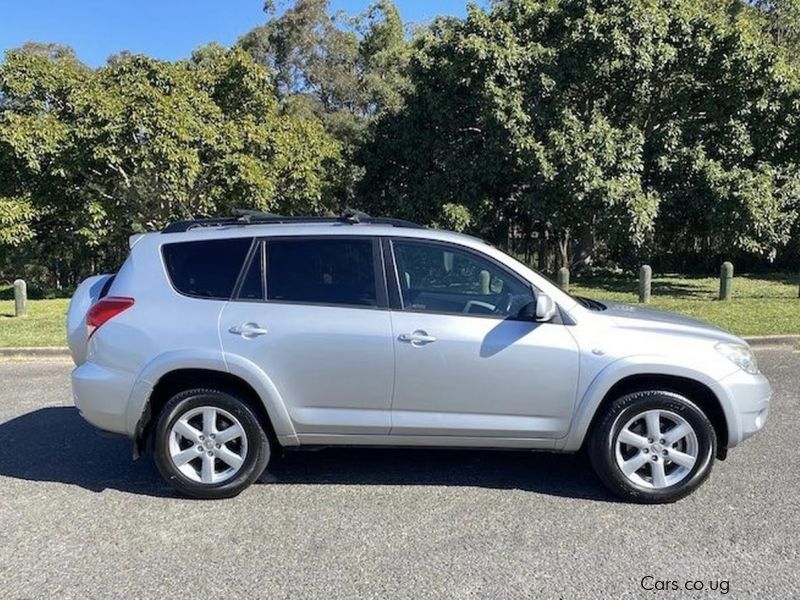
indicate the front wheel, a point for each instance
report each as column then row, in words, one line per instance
column 653, row 447
column 209, row 444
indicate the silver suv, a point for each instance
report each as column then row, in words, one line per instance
column 223, row 341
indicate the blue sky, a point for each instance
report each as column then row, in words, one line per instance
column 167, row 29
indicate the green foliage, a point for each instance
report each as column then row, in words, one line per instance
column 781, row 22
column 342, row 64
column 15, row 221
column 345, row 70
column 98, row 155
column 583, row 125
column 573, row 132
column 454, row 217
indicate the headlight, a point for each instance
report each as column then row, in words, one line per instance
column 739, row 355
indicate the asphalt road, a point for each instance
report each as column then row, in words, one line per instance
column 79, row 519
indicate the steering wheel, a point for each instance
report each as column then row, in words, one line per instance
column 505, row 304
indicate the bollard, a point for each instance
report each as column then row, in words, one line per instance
column 563, row 279
column 726, row 281
column 645, row 283
column 486, row 281
column 20, row 298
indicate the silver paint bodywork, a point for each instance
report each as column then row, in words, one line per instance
column 340, row 375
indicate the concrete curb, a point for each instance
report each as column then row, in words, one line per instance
column 36, row 352
column 762, row 341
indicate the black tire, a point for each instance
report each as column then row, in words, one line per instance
column 602, row 447
column 255, row 457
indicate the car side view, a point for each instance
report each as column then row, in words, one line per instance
column 222, row 341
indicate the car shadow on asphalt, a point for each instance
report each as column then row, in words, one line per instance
column 55, row 444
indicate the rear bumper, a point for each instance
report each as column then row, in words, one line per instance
column 101, row 395
column 749, row 397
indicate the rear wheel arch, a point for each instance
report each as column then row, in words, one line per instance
column 209, row 444
column 179, row 380
column 694, row 390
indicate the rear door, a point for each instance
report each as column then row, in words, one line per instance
column 312, row 313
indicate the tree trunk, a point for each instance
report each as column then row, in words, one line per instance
column 584, row 249
column 563, row 249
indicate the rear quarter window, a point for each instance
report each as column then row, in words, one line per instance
column 206, row 269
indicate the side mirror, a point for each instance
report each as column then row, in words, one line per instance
column 545, row 308
column 542, row 310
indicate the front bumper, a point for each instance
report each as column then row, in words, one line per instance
column 749, row 397
column 101, row 395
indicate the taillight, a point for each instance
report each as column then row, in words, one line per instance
column 105, row 309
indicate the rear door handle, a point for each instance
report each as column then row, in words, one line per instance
column 418, row 338
column 248, row 330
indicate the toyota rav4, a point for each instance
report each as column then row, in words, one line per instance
column 221, row 342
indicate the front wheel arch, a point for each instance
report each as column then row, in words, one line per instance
column 697, row 392
column 686, row 447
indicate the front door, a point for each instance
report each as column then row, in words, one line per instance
column 465, row 366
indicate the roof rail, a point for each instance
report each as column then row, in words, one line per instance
column 243, row 217
column 246, row 215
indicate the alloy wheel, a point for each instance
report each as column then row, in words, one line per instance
column 657, row 449
column 208, row 445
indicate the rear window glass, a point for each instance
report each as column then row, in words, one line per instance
column 206, row 269
column 322, row 271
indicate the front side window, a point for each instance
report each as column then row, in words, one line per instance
column 443, row 279
column 322, row 271
column 207, row 268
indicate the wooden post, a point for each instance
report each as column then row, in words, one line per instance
column 645, row 283
column 726, row 281
column 563, row 279
column 20, row 298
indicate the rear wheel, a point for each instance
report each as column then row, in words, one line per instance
column 653, row 447
column 209, row 444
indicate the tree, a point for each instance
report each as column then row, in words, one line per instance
column 339, row 63
column 782, row 19
column 91, row 156
column 589, row 125
column 344, row 70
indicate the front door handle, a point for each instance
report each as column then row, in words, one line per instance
column 248, row 330
column 418, row 338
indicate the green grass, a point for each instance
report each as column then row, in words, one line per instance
column 761, row 305
column 44, row 325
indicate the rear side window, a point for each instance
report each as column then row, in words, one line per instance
column 322, row 271
column 206, row 269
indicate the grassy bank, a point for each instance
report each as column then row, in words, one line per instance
column 45, row 324
column 761, row 305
